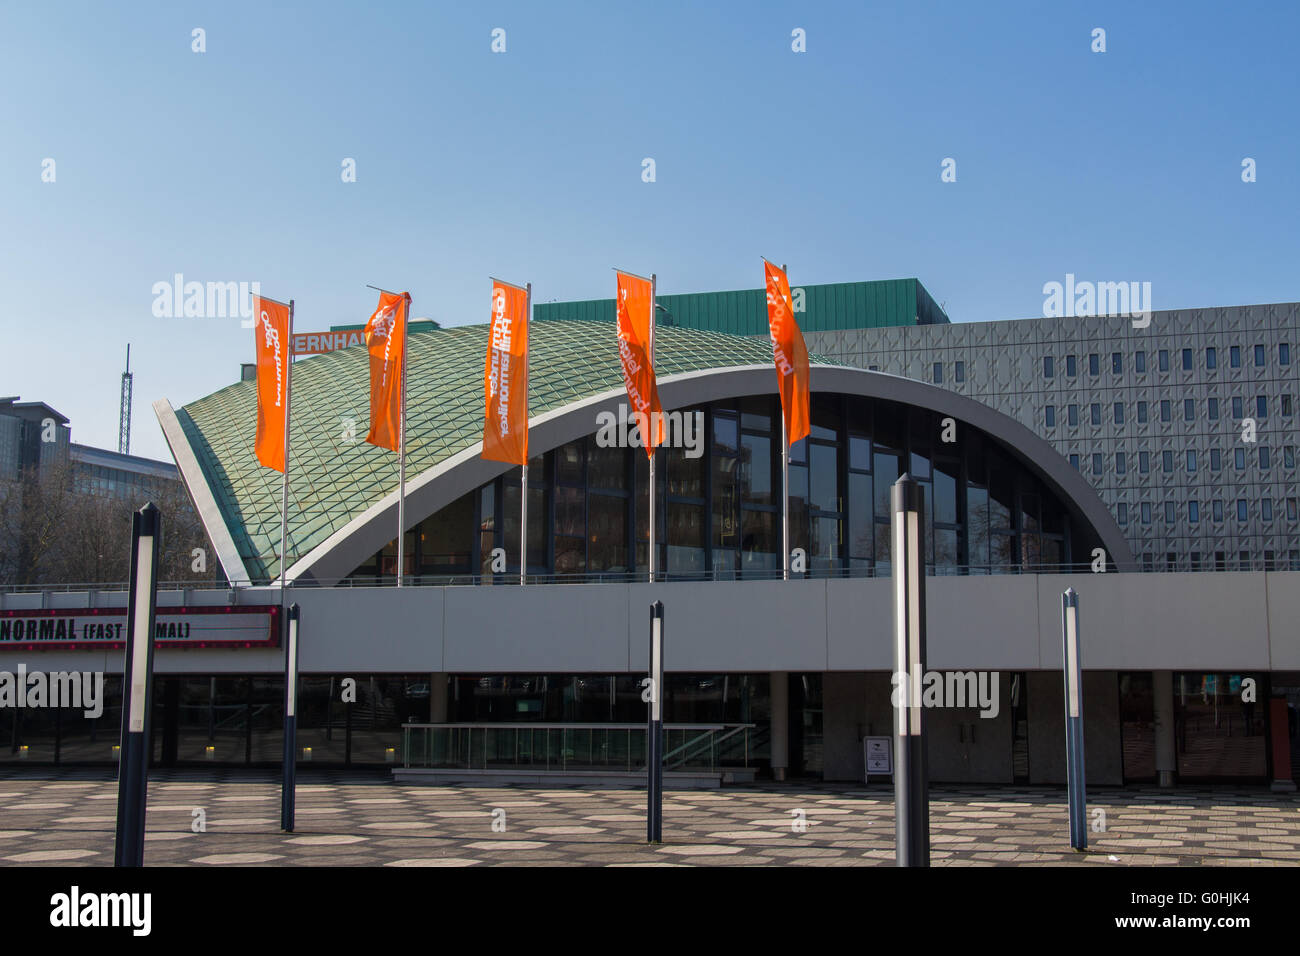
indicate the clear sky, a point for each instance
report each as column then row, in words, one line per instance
column 226, row 165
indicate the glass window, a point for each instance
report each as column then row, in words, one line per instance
column 1212, row 408
column 1286, row 406
column 945, row 492
column 938, row 373
column 1094, row 411
column 1140, row 360
column 1288, row 456
column 859, row 453
column 824, row 477
column 1171, row 512
column 1070, row 368
column 1121, row 463
column 756, row 413
column 1241, row 509
column 1234, row 356
column 1266, row 508
column 685, row 537
column 1121, row 512
column 1049, row 367
column 1072, row 415
column 1193, row 512
column 1146, row 512
column 1284, row 354
column 1116, row 363
column 1211, row 357
column 607, row 469
column 959, row 372
column 1291, row 510
column 1049, row 414
column 1096, row 463
column 608, row 528
column 1191, row 459
column 1163, row 357
column 1215, row 463
column 1189, row 409
column 1259, row 356
column 1142, row 412
column 1119, row 413
column 1217, row 510
column 1261, row 406
column 755, row 470
column 1187, row 360
column 568, row 463
column 1264, row 459
column 1144, row 462
column 1167, row 457
column 1165, row 410
column 860, row 520
column 1237, row 411
column 1239, row 458
column 1094, row 364
column 886, row 473
column 1074, row 462
column 760, row 545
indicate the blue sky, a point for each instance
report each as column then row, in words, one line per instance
column 225, row 165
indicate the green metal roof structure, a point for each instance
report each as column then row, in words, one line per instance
column 840, row 305
column 335, row 475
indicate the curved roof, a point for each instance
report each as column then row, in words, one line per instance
column 333, row 480
column 343, row 496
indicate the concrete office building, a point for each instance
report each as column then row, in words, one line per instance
column 1188, row 675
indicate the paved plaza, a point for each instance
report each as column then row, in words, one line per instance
column 66, row 817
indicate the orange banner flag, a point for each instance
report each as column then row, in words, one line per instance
column 505, row 377
column 271, row 335
column 788, row 352
column 386, row 340
column 635, row 310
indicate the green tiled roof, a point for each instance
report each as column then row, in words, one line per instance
column 332, row 481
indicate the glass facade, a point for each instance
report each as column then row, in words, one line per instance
column 719, row 508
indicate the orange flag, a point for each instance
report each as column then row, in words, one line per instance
column 386, row 340
column 271, row 335
column 788, row 352
column 505, row 377
column 635, row 308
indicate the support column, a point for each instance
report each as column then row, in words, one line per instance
column 1162, row 690
column 780, row 737
column 437, row 698
column 1280, row 735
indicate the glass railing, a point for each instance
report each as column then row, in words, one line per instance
column 558, row 748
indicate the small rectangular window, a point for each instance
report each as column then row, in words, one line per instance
column 1096, row 463
column 1193, row 512
column 1288, row 456
column 1070, row 367
column 1121, row 463
column 1121, row 512
column 1119, row 413
column 1215, row 460
column 1212, row 408
column 1074, row 462
column 1211, row 357
column 1166, row 412
column 1049, row 367
column 1283, row 354
column 1095, row 413
column 1171, row 512
column 1072, row 415
column 1291, row 509
column 1266, row 508
column 1239, row 458
column 1187, row 360
column 1261, row 406
column 938, row 373
column 1259, row 356
column 1094, row 364
column 959, row 372
column 1236, row 407
column 1265, row 461
column 1167, row 459
column 1286, row 406
column 1144, row 462
column 1140, row 361
column 1146, row 512
column 1163, row 357
column 1189, row 409
column 1142, row 412
column 1234, row 356
column 1116, row 363
column 1217, row 510
column 1191, row 459
column 1049, row 415
column 1241, row 509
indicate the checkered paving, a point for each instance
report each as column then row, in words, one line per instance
column 68, row 817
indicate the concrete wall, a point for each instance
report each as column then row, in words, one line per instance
column 1207, row 621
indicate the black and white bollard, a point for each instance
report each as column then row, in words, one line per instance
column 655, row 729
column 137, row 684
column 290, row 720
column 911, row 777
column 1073, row 671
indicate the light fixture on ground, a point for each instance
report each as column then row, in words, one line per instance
column 655, row 729
column 1073, row 672
column 137, row 681
column 911, row 777
column 290, row 770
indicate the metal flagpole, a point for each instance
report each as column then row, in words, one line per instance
column 523, row 474
column 785, row 485
column 284, row 496
column 651, row 431
column 401, row 444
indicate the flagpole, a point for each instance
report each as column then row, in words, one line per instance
column 401, row 444
column 523, row 474
column 284, row 491
column 651, row 430
column 785, row 485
